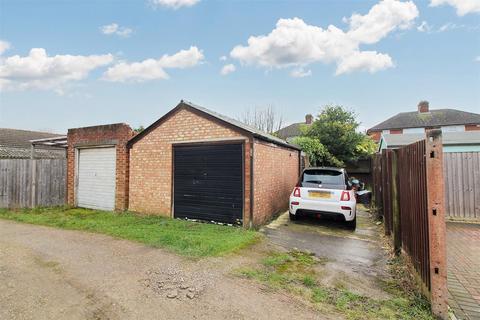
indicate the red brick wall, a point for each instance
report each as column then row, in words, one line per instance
column 112, row 134
column 276, row 171
column 375, row 135
column 151, row 159
column 472, row 127
column 396, row 131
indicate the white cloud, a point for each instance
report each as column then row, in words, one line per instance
column 450, row 26
column 477, row 59
column 151, row 69
column 370, row 61
column 4, row 46
column 223, row 58
column 40, row 71
column 114, row 28
column 383, row 18
column 293, row 43
column 424, row 27
column 300, row 73
column 463, row 7
column 228, row 68
column 174, row 4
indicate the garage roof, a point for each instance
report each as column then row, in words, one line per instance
column 229, row 121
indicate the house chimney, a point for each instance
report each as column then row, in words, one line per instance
column 308, row 119
column 423, row 107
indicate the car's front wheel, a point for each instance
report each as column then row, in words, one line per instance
column 352, row 224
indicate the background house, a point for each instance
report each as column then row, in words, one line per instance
column 16, row 144
column 449, row 120
column 289, row 133
column 461, row 169
column 467, row 141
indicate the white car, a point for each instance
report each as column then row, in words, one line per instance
column 324, row 192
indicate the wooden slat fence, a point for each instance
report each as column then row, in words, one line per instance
column 410, row 187
column 462, row 185
column 32, row 182
column 412, row 176
column 387, row 185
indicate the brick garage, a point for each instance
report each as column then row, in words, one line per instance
column 88, row 141
column 188, row 146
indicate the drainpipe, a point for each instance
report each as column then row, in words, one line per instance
column 252, row 179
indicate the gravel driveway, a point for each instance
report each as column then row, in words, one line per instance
column 47, row 273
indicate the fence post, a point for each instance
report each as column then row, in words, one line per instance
column 436, row 223
column 33, row 182
column 397, row 237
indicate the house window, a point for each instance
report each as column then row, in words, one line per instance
column 385, row 131
column 414, row 130
column 453, row 128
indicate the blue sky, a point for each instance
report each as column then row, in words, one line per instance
column 416, row 51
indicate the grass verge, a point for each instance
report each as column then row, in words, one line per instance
column 187, row 238
column 295, row 272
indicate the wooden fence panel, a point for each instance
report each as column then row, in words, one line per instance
column 32, row 182
column 462, row 185
column 412, row 197
column 387, row 188
column 413, row 207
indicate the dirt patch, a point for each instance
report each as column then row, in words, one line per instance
column 174, row 283
column 48, row 273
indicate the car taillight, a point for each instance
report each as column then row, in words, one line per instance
column 346, row 208
column 296, row 192
column 345, row 196
column 295, row 203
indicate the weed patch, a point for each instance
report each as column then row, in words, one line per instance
column 191, row 239
column 295, row 272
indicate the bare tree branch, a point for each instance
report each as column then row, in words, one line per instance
column 265, row 119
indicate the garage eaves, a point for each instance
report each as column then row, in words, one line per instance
column 224, row 119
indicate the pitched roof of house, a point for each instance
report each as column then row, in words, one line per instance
column 189, row 105
column 448, row 138
column 293, row 130
column 21, row 138
column 434, row 118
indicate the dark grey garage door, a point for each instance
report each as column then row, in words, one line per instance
column 208, row 182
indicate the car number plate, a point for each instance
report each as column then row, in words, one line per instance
column 319, row 194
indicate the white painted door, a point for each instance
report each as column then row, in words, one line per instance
column 96, row 178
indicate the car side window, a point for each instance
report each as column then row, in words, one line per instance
column 348, row 183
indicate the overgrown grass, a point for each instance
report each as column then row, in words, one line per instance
column 295, row 272
column 187, row 238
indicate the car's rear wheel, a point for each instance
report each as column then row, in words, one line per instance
column 352, row 224
column 292, row 216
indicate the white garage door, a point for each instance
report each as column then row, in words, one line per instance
column 96, row 178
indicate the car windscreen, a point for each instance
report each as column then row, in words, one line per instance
column 323, row 177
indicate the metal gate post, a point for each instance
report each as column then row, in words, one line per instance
column 436, row 223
